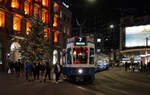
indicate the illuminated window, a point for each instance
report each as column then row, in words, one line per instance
column 56, row 7
column 55, row 24
column 36, row 10
column 45, row 16
column 26, row 7
column 28, row 28
column 46, row 31
column 45, row 3
column 17, row 22
column 15, row 3
column 56, row 34
column 2, row 19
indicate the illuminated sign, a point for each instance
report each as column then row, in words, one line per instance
column 136, row 35
column 80, row 41
column 67, row 6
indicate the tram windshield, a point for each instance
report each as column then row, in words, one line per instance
column 80, row 55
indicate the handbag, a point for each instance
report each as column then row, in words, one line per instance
column 9, row 71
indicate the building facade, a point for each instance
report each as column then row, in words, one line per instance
column 15, row 23
column 134, row 31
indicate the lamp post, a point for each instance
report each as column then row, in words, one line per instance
column 147, row 38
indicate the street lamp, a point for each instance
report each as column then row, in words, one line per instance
column 111, row 26
column 147, row 38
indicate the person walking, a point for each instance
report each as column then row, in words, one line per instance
column 57, row 71
column 48, row 71
column 126, row 66
column 22, row 69
column 37, row 70
column 29, row 71
column 42, row 69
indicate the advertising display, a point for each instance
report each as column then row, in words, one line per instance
column 136, row 36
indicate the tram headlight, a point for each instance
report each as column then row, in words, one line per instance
column 80, row 71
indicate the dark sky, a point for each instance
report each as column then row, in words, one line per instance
column 83, row 7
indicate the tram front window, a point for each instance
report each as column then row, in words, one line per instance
column 80, row 55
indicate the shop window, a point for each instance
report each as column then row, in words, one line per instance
column 15, row 3
column 17, row 22
column 28, row 28
column 55, row 24
column 2, row 19
column 36, row 10
column 45, row 3
column 45, row 16
column 46, row 33
column 56, row 35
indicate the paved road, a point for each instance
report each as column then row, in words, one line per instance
column 9, row 85
column 116, row 81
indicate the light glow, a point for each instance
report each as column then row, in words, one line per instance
column 80, row 71
column 17, row 22
column 136, row 35
column 45, row 3
column 56, row 34
column 15, row 4
column 2, row 19
column 28, row 26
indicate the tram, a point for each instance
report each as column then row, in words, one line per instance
column 79, row 60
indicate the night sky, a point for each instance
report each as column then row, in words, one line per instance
column 83, row 7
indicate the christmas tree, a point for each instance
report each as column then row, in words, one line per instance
column 35, row 46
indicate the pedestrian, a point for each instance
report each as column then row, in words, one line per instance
column 42, row 70
column 48, row 71
column 57, row 71
column 12, row 67
column 126, row 66
column 133, row 67
column 22, row 69
column 37, row 70
column 27, row 69
column 19, row 67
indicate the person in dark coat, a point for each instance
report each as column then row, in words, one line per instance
column 48, row 71
column 57, row 71
column 126, row 66
column 36, row 71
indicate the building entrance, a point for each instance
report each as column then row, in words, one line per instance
column 15, row 51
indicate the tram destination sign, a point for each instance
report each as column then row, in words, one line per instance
column 80, row 41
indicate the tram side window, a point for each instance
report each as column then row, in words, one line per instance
column 91, row 55
column 69, row 57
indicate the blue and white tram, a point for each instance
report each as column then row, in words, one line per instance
column 78, row 60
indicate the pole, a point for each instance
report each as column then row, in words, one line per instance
column 147, row 47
